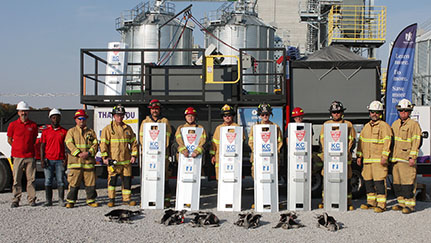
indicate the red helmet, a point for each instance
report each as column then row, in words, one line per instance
column 297, row 111
column 154, row 104
column 79, row 113
column 190, row 111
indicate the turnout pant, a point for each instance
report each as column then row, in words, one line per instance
column 21, row 165
column 374, row 175
column 75, row 178
column 404, row 184
column 125, row 172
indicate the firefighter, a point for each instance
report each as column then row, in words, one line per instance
column 52, row 156
column 227, row 113
column 264, row 111
column 336, row 110
column 374, row 146
column 119, row 150
column 407, row 139
column 21, row 135
column 156, row 116
column 298, row 117
column 190, row 117
column 82, row 144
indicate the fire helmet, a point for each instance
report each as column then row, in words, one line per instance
column 405, row 104
column 375, row 106
column 155, row 103
column 264, row 108
column 297, row 111
column 227, row 110
column 336, row 106
column 190, row 111
column 79, row 113
column 119, row 109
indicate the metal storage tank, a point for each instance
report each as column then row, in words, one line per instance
column 139, row 28
column 241, row 28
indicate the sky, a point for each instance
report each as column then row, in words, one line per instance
column 41, row 42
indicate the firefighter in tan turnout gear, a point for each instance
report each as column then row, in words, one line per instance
column 407, row 139
column 373, row 151
column 336, row 110
column 156, row 116
column 190, row 116
column 227, row 113
column 82, row 144
column 264, row 111
column 119, row 150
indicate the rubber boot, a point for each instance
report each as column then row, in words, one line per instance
column 48, row 195
column 61, row 197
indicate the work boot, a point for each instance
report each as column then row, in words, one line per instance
column 33, row 204
column 397, row 207
column 93, row 204
column 48, row 196
column 350, row 207
column 70, row 205
column 130, row 203
column 379, row 209
column 111, row 203
column 14, row 205
column 61, row 196
column 367, row 206
column 320, row 205
column 407, row 210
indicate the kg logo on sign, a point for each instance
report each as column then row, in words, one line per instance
column 336, row 135
column 230, row 136
column 154, row 134
column 266, row 136
column 191, row 137
column 300, row 134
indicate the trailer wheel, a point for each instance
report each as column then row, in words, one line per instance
column 5, row 175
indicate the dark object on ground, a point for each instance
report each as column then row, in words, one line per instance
column 287, row 221
column 173, row 217
column 327, row 222
column 122, row 215
column 204, row 219
column 248, row 220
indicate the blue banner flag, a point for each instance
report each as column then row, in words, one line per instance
column 400, row 71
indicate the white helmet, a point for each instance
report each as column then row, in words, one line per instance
column 405, row 104
column 22, row 106
column 375, row 106
column 54, row 112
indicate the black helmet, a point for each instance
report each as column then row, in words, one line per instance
column 119, row 109
column 336, row 106
column 264, row 108
column 227, row 110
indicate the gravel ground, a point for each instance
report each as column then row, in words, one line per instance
column 85, row 224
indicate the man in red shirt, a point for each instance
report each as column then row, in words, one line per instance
column 22, row 135
column 52, row 156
